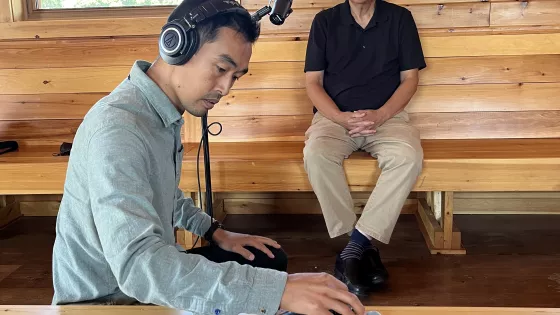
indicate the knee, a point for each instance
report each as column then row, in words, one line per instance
column 406, row 156
column 280, row 261
column 317, row 152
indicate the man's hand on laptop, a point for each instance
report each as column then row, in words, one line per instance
column 319, row 293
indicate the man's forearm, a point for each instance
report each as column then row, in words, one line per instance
column 322, row 101
column 400, row 99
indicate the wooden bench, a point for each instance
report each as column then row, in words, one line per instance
column 156, row 310
column 487, row 106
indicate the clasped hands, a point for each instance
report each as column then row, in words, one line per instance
column 362, row 122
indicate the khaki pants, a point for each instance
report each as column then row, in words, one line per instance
column 396, row 145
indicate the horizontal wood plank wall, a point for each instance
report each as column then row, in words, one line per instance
column 493, row 72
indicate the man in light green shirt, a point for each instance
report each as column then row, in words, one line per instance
column 115, row 230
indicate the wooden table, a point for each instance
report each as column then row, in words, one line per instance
column 156, row 310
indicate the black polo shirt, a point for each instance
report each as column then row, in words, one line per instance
column 362, row 66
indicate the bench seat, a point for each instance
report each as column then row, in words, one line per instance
column 449, row 165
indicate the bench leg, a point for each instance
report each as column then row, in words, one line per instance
column 9, row 211
column 435, row 217
column 187, row 239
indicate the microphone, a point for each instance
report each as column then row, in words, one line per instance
column 280, row 11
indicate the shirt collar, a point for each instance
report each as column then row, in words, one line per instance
column 379, row 15
column 156, row 97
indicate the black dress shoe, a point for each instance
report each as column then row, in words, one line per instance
column 351, row 273
column 374, row 270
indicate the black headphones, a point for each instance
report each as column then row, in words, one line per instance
column 178, row 40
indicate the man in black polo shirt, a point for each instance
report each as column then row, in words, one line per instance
column 362, row 63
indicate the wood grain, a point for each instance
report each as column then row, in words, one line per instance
column 66, row 80
column 487, row 125
column 261, row 128
column 466, row 125
column 82, row 28
column 459, row 70
column 39, row 130
column 491, row 69
column 488, row 165
column 122, row 51
column 39, row 208
column 46, row 106
column 480, row 45
column 277, row 75
column 525, row 13
column 451, row 15
column 505, row 174
column 426, row 16
column 447, row 45
column 79, row 52
column 516, row 205
column 428, row 99
column 293, row 206
column 485, row 98
column 6, row 270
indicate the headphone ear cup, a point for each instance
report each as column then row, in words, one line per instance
column 172, row 42
column 191, row 45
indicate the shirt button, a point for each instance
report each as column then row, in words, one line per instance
column 364, row 46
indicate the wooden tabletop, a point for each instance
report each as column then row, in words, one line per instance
column 156, row 310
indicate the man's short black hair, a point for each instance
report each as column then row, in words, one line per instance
column 208, row 30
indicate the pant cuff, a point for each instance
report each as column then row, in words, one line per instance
column 371, row 232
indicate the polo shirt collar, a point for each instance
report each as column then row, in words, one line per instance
column 166, row 111
column 379, row 15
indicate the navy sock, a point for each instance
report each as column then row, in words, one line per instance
column 358, row 244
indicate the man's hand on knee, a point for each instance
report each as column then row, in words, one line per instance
column 235, row 242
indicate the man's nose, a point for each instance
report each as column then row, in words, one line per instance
column 225, row 85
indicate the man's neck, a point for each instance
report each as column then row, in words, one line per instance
column 161, row 74
column 363, row 13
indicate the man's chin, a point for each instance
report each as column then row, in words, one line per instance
column 197, row 112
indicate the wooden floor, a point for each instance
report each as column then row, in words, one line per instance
column 512, row 261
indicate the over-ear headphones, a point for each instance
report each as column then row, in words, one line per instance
column 179, row 40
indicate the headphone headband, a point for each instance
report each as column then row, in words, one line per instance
column 179, row 40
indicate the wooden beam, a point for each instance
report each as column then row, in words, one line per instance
column 440, row 240
column 525, row 13
column 9, row 211
column 447, row 220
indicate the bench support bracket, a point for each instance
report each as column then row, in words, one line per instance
column 441, row 235
column 9, row 211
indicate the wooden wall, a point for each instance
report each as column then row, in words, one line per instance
column 493, row 72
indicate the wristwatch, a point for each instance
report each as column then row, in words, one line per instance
column 213, row 227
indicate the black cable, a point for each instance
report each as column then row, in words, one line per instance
column 207, row 130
